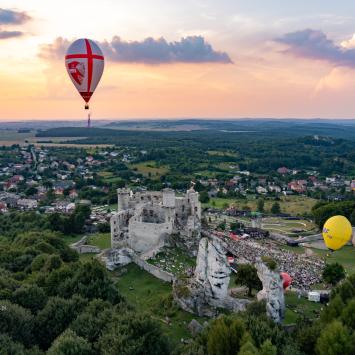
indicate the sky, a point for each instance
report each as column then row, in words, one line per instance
column 181, row 59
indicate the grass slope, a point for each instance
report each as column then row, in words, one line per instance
column 147, row 294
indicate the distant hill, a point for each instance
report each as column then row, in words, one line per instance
column 254, row 128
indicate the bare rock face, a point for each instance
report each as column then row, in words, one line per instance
column 207, row 291
column 212, row 269
column 272, row 291
column 195, row 327
column 114, row 258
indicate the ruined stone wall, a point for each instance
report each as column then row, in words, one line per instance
column 145, row 236
column 146, row 197
column 81, row 247
column 119, row 228
column 152, row 269
column 152, row 216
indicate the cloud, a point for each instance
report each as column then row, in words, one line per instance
column 316, row 45
column 191, row 49
column 55, row 50
column 13, row 17
column 349, row 43
column 10, row 34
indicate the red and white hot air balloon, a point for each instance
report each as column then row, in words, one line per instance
column 85, row 64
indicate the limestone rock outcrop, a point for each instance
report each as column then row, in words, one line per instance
column 212, row 269
column 117, row 257
column 207, row 290
column 195, row 327
column 272, row 291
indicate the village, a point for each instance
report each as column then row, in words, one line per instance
column 38, row 178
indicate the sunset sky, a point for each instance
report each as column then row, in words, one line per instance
column 180, row 59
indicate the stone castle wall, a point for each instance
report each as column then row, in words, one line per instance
column 152, row 269
column 146, row 219
column 146, row 236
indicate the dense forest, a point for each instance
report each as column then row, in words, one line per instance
column 258, row 152
column 52, row 302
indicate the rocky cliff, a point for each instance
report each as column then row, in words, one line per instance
column 272, row 291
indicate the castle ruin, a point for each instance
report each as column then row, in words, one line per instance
column 146, row 221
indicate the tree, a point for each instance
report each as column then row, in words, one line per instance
column 69, row 343
column 260, row 205
column 275, row 208
column 267, row 348
column 30, row 296
column 31, row 191
column 90, row 280
column 352, row 218
column 103, row 227
column 248, row 276
column 333, row 311
column 348, row 314
column 133, row 334
column 204, row 198
column 225, row 336
column 335, row 339
column 222, row 226
column 307, row 334
column 91, row 323
column 17, row 322
column 55, row 317
column 248, row 349
column 8, row 346
column 333, row 273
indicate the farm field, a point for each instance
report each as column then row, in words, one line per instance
column 293, row 205
column 220, row 153
column 109, row 177
column 153, row 296
column 11, row 137
column 150, row 169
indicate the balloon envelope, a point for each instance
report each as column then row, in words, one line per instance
column 337, row 231
column 286, row 280
column 85, row 64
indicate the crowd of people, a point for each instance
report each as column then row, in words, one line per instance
column 305, row 270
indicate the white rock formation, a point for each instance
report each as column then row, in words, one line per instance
column 272, row 291
column 114, row 258
column 212, row 269
column 207, row 291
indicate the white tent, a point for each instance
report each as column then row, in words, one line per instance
column 314, row 296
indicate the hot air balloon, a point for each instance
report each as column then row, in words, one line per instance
column 286, row 279
column 337, row 231
column 85, row 64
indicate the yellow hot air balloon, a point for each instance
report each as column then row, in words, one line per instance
column 337, row 231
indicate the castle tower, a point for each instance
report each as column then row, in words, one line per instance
column 169, row 198
column 193, row 198
column 123, row 197
column 169, row 204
